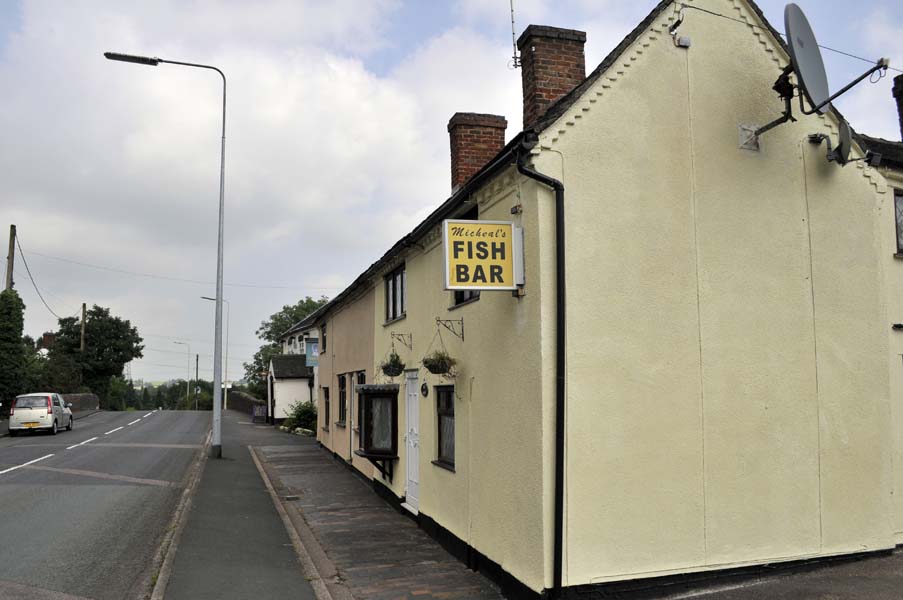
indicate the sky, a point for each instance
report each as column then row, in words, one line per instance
column 336, row 141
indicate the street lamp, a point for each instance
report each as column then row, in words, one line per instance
column 216, row 447
column 226, row 366
column 187, row 379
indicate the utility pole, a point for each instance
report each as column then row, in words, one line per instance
column 197, row 382
column 84, row 313
column 11, row 257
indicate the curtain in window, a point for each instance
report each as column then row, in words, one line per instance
column 381, row 418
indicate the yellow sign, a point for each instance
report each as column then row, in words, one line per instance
column 482, row 255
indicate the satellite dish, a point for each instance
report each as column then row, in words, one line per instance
column 841, row 152
column 844, row 143
column 812, row 81
column 806, row 58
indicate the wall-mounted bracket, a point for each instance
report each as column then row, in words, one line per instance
column 405, row 339
column 456, row 326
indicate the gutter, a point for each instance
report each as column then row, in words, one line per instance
column 528, row 143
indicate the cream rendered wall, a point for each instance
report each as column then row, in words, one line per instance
column 288, row 392
column 349, row 347
column 893, row 269
column 498, row 498
column 727, row 386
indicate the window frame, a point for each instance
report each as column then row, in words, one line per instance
column 395, row 299
column 360, row 379
column 444, row 412
column 462, row 297
column 343, row 400
column 325, row 426
column 367, row 449
column 323, row 337
column 898, row 222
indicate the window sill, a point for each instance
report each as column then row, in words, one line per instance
column 325, row 428
column 372, row 456
column 444, row 465
column 356, row 429
column 465, row 303
column 898, row 255
column 340, row 424
column 396, row 319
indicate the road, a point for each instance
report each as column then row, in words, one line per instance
column 83, row 512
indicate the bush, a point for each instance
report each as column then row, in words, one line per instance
column 302, row 414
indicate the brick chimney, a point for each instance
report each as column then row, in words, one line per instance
column 898, row 96
column 552, row 64
column 475, row 139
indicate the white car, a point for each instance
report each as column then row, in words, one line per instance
column 43, row 410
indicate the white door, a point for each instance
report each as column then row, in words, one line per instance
column 412, row 440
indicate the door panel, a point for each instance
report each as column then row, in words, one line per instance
column 412, row 439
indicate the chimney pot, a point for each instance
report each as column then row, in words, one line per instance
column 552, row 64
column 475, row 139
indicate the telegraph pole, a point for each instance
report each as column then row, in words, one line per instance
column 11, row 257
column 84, row 313
column 197, row 382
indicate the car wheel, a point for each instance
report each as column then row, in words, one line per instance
column 13, row 433
column 69, row 426
column 53, row 429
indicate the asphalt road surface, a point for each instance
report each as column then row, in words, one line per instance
column 82, row 513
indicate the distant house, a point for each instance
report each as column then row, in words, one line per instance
column 304, row 338
column 289, row 381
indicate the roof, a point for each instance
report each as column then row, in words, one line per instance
column 892, row 156
column 891, row 152
column 291, row 366
column 305, row 323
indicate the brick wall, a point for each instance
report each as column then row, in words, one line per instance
column 552, row 64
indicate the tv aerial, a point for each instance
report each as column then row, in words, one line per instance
column 812, row 82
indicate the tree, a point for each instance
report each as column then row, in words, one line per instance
column 270, row 331
column 12, row 347
column 110, row 342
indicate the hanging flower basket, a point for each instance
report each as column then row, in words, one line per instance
column 438, row 362
column 392, row 367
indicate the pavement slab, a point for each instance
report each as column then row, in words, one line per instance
column 377, row 552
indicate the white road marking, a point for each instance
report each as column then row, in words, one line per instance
column 81, row 443
column 147, row 415
column 113, row 431
column 31, row 462
column 133, row 422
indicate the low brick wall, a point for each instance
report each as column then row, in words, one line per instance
column 82, row 402
column 243, row 402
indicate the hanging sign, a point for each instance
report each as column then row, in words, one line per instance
column 482, row 255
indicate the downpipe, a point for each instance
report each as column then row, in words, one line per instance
column 560, row 319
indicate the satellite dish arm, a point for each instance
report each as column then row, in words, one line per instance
column 881, row 64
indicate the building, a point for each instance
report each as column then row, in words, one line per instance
column 290, row 381
column 697, row 373
column 304, row 338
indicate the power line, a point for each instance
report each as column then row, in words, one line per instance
column 185, row 339
column 27, row 270
column 231, row 358
column 179, row 279
column 750, row 25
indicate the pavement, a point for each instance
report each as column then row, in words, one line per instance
column 84, row 511
column 234, row 544
column 365, row 548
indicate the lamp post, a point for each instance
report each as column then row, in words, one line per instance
column 187, row 379
column 216, row 447
column 226, row 365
